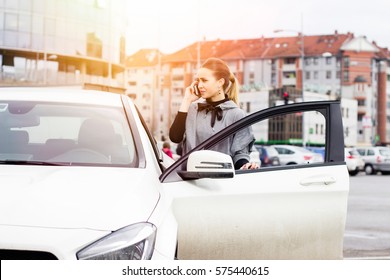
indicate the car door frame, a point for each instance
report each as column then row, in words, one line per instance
column 243, row 218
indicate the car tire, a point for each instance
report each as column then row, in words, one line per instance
column 369, row 169
column 353, row 172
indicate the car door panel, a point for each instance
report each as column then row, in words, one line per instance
column 259, row 216
column 287, row 212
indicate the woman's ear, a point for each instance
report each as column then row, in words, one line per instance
column 221, row 82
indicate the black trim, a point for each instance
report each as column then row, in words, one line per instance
column 193, row 175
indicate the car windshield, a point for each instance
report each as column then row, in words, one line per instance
column 64, row 134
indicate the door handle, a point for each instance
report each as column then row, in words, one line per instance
column 327, row 180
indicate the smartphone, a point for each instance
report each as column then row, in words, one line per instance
column 196, row 90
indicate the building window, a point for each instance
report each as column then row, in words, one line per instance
column 328, row 60
column 289, row 60
column 346, row 61
column 315, row 61
column 329, row 74
column 307, row 61
column 251, row 77
column 346, row 76
column 315, row 74
column 273, row 79
column 289, row 75
column 146, row 96
column 338, row 63
column 11, row 22
column 177, row 78
column 50, row 27
column 307, row 75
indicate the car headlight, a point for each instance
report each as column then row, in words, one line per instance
column 134, row 242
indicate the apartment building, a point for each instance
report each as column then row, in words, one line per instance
column 334, row 66
column 56, row 42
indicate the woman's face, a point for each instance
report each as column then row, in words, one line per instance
column 209, row 87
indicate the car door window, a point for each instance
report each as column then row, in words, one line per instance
column 284, row 128
column 284, row 133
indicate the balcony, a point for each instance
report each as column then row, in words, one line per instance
column 177, row 84
column 362, row 110
column 177, row 71
column 289, row 81
column 359, row 95
column 289, row 67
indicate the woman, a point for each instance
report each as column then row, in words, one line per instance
column 214, row 108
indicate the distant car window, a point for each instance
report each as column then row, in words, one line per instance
column 384, row 152
column 370, row 152
column 362, row 152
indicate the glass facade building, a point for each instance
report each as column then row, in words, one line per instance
column 62, row 42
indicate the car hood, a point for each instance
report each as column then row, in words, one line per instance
column 76, row 197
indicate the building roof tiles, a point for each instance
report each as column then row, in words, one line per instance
column 261, row 48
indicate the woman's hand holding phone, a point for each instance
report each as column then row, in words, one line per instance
column 196, row 89
column 190, row 96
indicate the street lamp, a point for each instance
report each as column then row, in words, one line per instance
column 302, row 53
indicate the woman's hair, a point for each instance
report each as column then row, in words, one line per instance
column 221, row 70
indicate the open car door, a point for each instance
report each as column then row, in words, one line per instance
column 280, row 212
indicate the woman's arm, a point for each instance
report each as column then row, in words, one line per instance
column 176, row 132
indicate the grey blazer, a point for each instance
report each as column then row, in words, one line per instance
column 198, row 129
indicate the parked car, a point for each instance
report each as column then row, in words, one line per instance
column 354, row 161
column 83, row 178
column 317, row 150
column 269, row 156
column 375, row 159
column 297, row 155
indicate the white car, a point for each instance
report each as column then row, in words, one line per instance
column 289, row 154
column 82, row 178
column 375, row 159
column 354, row 161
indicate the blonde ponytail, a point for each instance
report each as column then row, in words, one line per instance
column 232, row 89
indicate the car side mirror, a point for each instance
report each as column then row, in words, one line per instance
column 208, row 164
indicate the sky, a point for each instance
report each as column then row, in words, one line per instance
column 170, row 25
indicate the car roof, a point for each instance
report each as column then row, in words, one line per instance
column 61, row 95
